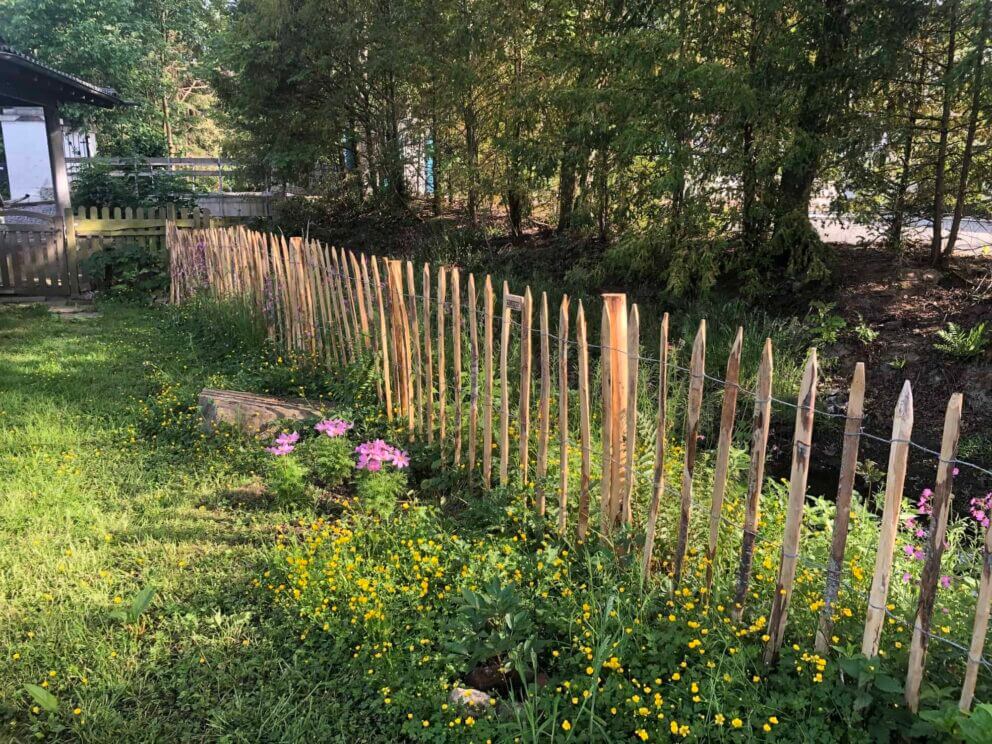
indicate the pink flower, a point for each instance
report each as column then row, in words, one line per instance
column 955, row 471
column 333, row 427
column 373, row 455
column 908, row 549
column 906, row 577
column 280, row 449
column 920, row 533
column 291, row 438
column 945, row 581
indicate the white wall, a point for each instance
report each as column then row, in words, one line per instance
column 26, row 150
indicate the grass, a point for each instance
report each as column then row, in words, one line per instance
column 96, row 502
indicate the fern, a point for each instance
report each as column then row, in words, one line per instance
column 960, row 343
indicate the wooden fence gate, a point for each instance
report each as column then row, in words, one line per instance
column 32, row 255
column 40, row 255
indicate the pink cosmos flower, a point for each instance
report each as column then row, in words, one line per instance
column 280, row 449
column 945, row 581
column 333, row 427
column 291, row 438
column 373, row 455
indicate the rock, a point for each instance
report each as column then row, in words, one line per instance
column 249, row 412
column 470, row 698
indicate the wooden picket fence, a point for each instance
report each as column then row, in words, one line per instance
column 341, row 307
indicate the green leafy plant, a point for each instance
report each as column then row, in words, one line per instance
column 98, row 183
column 138, row 606
column 961, row 343
column 897, row 362
column 128, row 271
column 865, row 333
column 43, row 698
column 493, row 624
column 379, row 491
column 826, row 325
column 286, row 482
column 329, row 459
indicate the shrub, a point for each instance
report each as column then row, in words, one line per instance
column 286, row 479
column 95, row 186
column 328, row 459
column 128, row 271
column 378, row 492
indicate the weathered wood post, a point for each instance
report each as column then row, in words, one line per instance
column 802, row 447
column 902, row 429
column 941, row 507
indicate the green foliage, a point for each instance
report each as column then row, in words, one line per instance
column 377, row 492
column 94, row 185
column 45, row 700
column 865, row 333
column 152, row 53
column 128, row 271
column 826, row 326
column 329, row 460
column 492, row 624
column 285, row 479
column 963, row 344
column 137, row 607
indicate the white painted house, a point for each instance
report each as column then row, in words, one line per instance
column 25, row 141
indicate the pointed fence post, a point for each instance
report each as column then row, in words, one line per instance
column 633, row 357
column 585, row 438
column 504, row 390
column 488, row 302
column 473, row 395
column 727, row 412
column 755, row 476
column 442, row 393
column 428, row 355
column 526, row 320
column 980, row 627
column 697, row 368
column 543, row 406
column 902, row 429
column 802, row 448
column 418, row 361
column 941, row 507
column 659, row 452
column 563, row 415
column 456, row 358
column 845, row 488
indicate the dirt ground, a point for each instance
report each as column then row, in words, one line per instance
column 907, row 303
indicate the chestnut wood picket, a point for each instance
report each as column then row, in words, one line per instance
column 442, row 380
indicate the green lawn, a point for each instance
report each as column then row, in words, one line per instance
column 96, row 503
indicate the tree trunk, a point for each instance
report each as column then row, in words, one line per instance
column 602, row 193
column 894, row 238
column 969, row 143
column 472, row 154
column 566, row 190
column 816, row 108
column 435, row 169
column 945, row 119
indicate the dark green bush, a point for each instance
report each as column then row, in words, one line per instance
column 128, row 271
